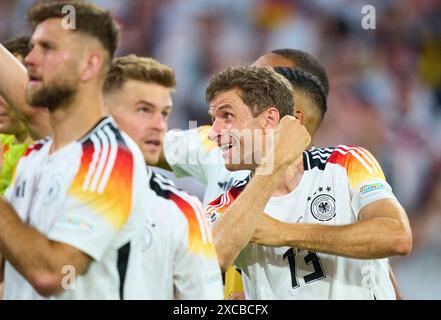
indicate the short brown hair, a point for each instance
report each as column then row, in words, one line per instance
column 18, row 46
column 132, row 67
column 260, row 88
column 90, row 19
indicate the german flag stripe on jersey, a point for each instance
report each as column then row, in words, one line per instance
column 37, row 145
column 224, row 201
column 197, row 230
column 199, row 237
column 360, row 164
column 104, row 180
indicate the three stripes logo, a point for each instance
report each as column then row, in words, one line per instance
column 316, row 158
column 105, row 146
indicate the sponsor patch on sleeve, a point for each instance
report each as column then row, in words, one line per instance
column 372, row 187
column 213, row 217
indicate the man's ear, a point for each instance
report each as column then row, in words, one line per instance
column 272, row 117
column 300, row 115
column 92, row 66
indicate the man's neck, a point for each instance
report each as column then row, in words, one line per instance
column 72, row 121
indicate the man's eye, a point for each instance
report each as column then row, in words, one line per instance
column 143, row 110
column 46, row 46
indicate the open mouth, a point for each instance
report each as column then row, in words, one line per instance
column 153, row 142
column 34, row 79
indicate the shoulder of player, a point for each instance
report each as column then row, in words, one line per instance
column 104, row 134
column 161, row 185
column 181, row 200
column 342, row 155
column 225, row 199
column 106, row 160
column 107, row 144
column 350, row 156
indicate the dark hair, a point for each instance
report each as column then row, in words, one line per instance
column 308, row 83
column 18, row 46
column 90, row 19
column 306, row 62
column 132, row 67
column 260, row 88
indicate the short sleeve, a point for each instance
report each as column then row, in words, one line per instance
column 98, row 201
column 366, row 178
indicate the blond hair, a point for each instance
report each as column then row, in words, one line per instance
column 143, row 69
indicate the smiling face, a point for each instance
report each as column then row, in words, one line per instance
column 236, row 131
column 141, row 110
column 246, row 104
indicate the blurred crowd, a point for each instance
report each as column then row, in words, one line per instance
column 385, row 83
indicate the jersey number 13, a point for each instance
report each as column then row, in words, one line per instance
column 311, row 258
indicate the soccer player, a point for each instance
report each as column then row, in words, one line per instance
column 311, row 90
column 324, row 221
column 191, row 153
column 173, row 257
column 14, row 137
column 77, row 199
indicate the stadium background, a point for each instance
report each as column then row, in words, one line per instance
column 385, row 84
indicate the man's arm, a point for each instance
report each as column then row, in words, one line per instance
column 37, row 258
column 13, row 80
column 382, row 231
column 234, row 229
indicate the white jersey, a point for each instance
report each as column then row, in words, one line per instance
column 337, row 183
column 91, row 195
column 191, row 153
column 174, row 256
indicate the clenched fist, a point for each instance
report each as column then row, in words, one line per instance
column 290, row 140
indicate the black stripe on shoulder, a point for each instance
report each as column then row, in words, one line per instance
column 103, row 121
column 104, row 126
column 157, row 185
column 316, row 158
column 239, row 183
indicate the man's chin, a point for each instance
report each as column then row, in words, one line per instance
column 151, row 159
